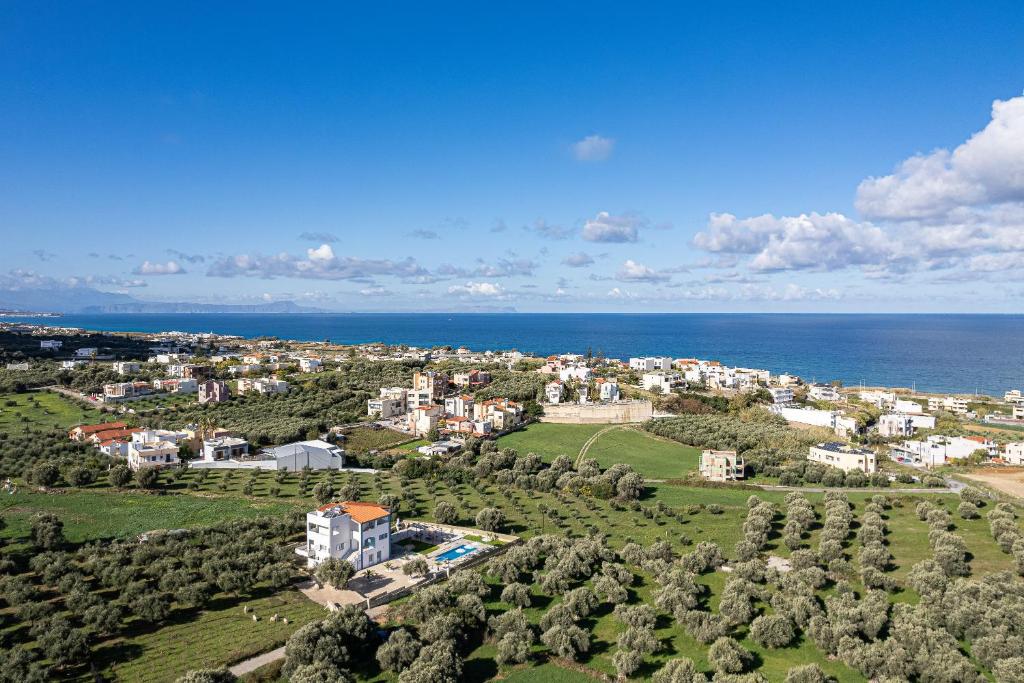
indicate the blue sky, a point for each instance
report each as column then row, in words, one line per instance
column 797, row 157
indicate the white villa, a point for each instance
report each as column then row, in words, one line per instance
column 844, row 457
column 357, row 532
column 721, row 465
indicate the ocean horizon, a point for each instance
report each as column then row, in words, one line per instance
column 954, row 353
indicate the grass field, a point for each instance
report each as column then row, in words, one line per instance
column 651, row 456
column 364, row 439
column 42, row 410
column 216, row 636
column 96, row 514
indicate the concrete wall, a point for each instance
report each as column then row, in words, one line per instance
column 598, row 413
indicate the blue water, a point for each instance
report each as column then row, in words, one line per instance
column 941, row 353
column 456, row 553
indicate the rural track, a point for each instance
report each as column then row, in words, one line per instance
column 590, row 442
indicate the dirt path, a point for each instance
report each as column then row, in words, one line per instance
column 250, row 665
column 590, row 442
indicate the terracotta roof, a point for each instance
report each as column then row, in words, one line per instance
column 102, row 427
column 358, row 511
column 109, row 434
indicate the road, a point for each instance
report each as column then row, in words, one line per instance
column 250, row 665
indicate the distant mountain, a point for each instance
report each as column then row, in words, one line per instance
column 186, row 307
column 82, row 299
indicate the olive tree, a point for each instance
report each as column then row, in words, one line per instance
column 490, row 519
column 727, row 656
column 334, row 572
column 398, row 652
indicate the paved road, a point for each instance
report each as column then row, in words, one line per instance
column 250, row 665
column 809, row 489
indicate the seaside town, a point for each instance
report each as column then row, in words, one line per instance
column 402, row 481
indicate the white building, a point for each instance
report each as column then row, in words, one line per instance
column 125, row 367
column 824, row 392
column 1013, row 396
column 831, row 419
column 262, row 385
column 86, row 352
column 781, row 395
column 895, row 424
column 224, row 448
column 846, row 458
column 650, row 363
column 579, row 373
column 879, row 399
column 314, row 454
column 157, row 453
column 459, row 406
column 907, row 407
column 72, row 364
column 553, row 391
column 1018, row 411
column 608, row 389
column 357, row 532
column 310, row 365
column 952, row 404
column 418, row 398
column 787, row 380
column 721, row 465
column 1013, row 453
column 661, row 382
column 937, row 450
column 51, row 344
column 385, row 407
column 423, row 419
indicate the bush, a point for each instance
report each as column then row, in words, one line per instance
column 772, row 631
column 727, row 656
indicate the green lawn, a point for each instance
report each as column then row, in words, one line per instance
column 550, row 440
column 92, row 514
column 42, row 410
column 364, row 439
column 651, row 456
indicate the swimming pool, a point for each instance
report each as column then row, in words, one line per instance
column 457, row 553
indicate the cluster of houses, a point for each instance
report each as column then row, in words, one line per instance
column 436, row 402
column 214, row 449
column 729, row 466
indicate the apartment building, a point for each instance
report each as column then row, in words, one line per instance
column 721, row 465
column 843, row 456
column 650, row 363
column 824, row 392
column 213, row 391
column 357, row 532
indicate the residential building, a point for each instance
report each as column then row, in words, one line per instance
column 781, row 395
column 435, row 383
column 82, row 432
column 787, row 380
column 840, row 424
column 607, row 389
column 661, row 382
column 1013, row 396
column 418, row 398
column 86, row 352
column 1013, row 453
column 213, row 391
column 472, row 378
column 553, row 391
column 154, row 435
column 72, row 364
column 952, row 404
column 151, row 453
column 422, row 419
column 895, row 424
column 385, row 408
column 191, row 371
column 17, row 366
column 51, row 344
column 580, row 373
column 315, row 454
column 123, row 390
column 937, row 449
column 224, row 448
column 310, row 365
column 125, row 367
column 824, row 392
column 843, row 456
column 879, row 399
column 502, row 413
column 176, row 386
column 1018, row 411
column 357, row 532
column 721, row 465
column 262, row 385
column 650, row 363
column 459, row 406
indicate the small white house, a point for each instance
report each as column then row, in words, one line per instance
column 781, row 395
column 608, row 389
column 315, row 454
column 125, row 367
column 51, row 344
column 87, row 352
column 844, row 457
column 310, row 364
column 721, row 465
column 553, row 391
column 824, row 392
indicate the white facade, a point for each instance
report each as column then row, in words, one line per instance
column 459, row 406
column 608, row 390
column 781, row 395
column 124, row 367
column 937, row 450
column 151, row 454
column 553, row 391
column 423, row 419
column 907, row 407
column 721, row 465
column 86, row 352
column 824, row 392
column 846, row 458
column 51, row 344
column 895, row 424
column 224, row 448
column 314, row 454
column 650, row 363
column 310, row 364
column 576, row 372
column 359, row 533
column 953, row 404
column 72, row 364
column 385, row 407
column 1013, row 396
column 1013, row 453
column 662, row 382
column 262, row 385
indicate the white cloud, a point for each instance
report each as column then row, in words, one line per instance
column 955, row 211
column 608, row 228
column 477, row 289
column 631, row 271
column 578, row 260
column 319, row 264
column 593, row 148
column 375, row 291
column 987, row 169
column 549, row 231
column 318, row 237
column 156, row 268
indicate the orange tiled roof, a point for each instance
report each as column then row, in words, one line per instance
column 102, row 427
column 359, row 511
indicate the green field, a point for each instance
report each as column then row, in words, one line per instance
column 42, row 410
column 364, row 439
column 651, row 456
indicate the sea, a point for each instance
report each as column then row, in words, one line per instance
column 929, row 352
